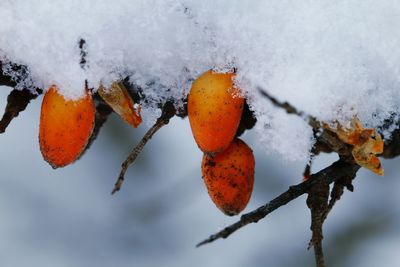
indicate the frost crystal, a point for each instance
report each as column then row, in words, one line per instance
column 330, row 59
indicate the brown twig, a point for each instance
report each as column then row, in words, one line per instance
column 17, row 101
column 284, row 105
column 319, row 253
column 307, row 169
column 247, row 121
column 317, row 202
column 135, row 152
column 330, row 174
column 102, row 113
column 326, row 141
column 392, row 146
column 83, row 53
column 5, row 79
column 168, row 111
column 338, row 190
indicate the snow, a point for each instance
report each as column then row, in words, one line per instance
column 330, row 59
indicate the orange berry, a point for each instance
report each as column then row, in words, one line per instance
column 65, row 127
column 229, row 177
column 214, row 110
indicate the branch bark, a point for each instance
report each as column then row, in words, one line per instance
column 5, row 79
column 17, row 100
column 103, row 111
column 336, row 171
column 317, row 202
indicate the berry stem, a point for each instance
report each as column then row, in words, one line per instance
column 168, row 111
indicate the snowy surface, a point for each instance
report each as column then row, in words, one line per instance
column 331, row 59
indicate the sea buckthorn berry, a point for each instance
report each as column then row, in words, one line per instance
column 229, row 177
column 214, row 110
column 65, row 127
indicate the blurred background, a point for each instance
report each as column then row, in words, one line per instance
column 67, row 217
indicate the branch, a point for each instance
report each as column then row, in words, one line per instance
column 326, row 141
column 392, row 146
column 247, row 121
column 319, row 253
column 102, row 112
column 5, row 79
column 320, row 207
column 330, row 174
column 17, row 100
column 284, row 105
column 168, row 111
column 338, row 190
column 317, row 202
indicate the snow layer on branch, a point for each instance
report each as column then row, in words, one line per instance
column 330, row 59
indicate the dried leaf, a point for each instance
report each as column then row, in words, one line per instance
column 117, row 96
column 367, row 143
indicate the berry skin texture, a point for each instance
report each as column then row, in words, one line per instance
column 229, row 177
column 65, row 127
column 214, row 110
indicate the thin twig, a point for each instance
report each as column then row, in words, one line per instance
column 330, row 174
column 326, row 141
column 319, row 254
column 135, row 152
column 285, row 105
column 17, row 101
column 307, row 169
column 290, row 109
column 337, row 192
column 168, row 112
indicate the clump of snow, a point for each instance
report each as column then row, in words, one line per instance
column 285, row 134
column 330, row 59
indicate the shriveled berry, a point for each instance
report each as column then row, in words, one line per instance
column 65, row 127
column 214, row 110
column 229, row 177
column 118, row 98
